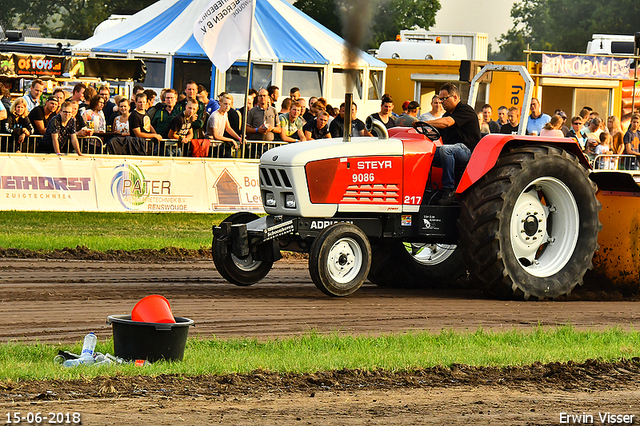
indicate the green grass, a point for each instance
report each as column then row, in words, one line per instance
column 312, row 352
column 106, row 231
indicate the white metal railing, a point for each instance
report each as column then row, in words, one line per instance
column 96, row 145
column 608, row 162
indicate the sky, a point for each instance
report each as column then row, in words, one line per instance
column 490, row 16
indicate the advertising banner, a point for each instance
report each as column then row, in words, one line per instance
column 47, row 183
column 7, row 65
column 107, row 69
column 40, row 65
column 121, row 184
column 233, row 186
column 150, row 185
column 32, row 66
column 585, row 66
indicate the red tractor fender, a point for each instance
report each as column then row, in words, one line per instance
column 486, row 154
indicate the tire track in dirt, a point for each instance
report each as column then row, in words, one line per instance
column 60, row 301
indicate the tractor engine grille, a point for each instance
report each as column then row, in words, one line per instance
column 272, row 177
column 372, row 193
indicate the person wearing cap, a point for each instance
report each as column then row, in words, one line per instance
column 407, row 119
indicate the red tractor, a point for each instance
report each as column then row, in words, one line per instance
column 526, row 223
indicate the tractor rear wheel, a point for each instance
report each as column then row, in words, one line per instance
column 402, row 264
column 529, row 226
column 239, row 271
column 340, row 259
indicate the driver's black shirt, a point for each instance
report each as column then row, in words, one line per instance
column 466, row 129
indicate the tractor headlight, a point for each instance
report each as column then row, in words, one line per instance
column 289, row 201
column 269, row 199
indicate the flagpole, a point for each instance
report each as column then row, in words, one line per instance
column 246, row 91
column 207, row 30
column 246, row 107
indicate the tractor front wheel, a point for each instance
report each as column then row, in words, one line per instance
column 239, row 271
column 340, row 259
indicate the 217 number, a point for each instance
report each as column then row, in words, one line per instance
column 412, row 199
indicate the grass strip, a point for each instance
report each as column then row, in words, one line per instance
column 106, row 231
column 313, row 352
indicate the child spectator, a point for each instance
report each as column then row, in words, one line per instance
column 604, row 148
column 590, row 148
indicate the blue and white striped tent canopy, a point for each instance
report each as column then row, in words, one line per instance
column 281, row 33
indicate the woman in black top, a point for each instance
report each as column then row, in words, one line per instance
column 17, row 125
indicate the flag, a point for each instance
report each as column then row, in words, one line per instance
column 224, row 31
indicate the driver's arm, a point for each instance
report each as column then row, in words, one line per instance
column 442, row 122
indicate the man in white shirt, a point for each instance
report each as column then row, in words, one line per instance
column 219, row 123
column 436, row 110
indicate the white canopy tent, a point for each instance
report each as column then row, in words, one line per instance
column 288, row 49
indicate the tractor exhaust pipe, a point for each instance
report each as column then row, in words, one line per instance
column 348, row 100
column 377, row 128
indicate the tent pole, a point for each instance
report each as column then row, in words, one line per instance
column 246, row 107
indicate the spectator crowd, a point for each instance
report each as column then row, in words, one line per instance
column 191, row 123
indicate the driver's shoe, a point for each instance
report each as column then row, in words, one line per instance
column 448, row 197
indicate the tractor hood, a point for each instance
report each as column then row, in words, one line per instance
column 300, row 153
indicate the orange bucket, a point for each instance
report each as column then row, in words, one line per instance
column 153, row 308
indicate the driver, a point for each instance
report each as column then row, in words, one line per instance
column 460, row 133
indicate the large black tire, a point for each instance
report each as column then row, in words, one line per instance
column 529, row 226
column 398, row 264
column 243, row 272
column 340, row 259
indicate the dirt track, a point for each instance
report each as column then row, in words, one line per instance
column 60, row 301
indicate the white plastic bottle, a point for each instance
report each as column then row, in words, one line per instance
column 86, row 356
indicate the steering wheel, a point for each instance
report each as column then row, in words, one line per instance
column 427, row 129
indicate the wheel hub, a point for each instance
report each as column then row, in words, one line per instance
column 544, row 227
column 531, row 225
column 246, row 264
column 344, row 260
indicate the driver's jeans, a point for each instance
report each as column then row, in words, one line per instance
column 447, row 156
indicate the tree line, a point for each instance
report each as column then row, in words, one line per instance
column 73, row 19
column 552, row 25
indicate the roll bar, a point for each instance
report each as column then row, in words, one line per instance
column 528, row 89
